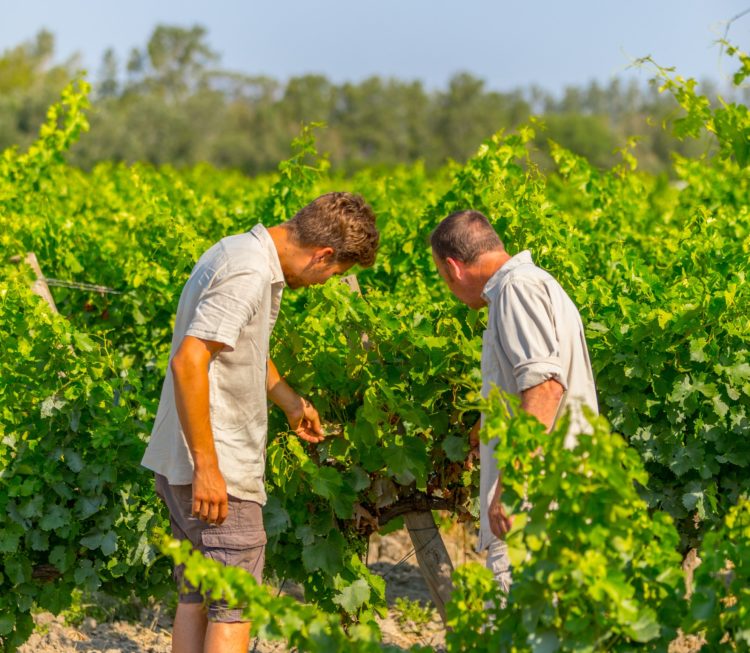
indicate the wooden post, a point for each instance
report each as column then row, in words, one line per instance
column 39, row 287
column 434, row 562
column 351, row 281
column 689, row 564
column 432, row 556
column 44, row 572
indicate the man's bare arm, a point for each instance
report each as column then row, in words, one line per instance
column 301, row 414
column 190, row 372
column 541, row 401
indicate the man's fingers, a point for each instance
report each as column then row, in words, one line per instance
column 309, row 428
column 209, row 495
column 500, row 524
column 497, row 529
column 308, row 436
column 198, row 508
column 312, row 419
column 218, row 512
column 315, row 424
column 508, row 523
column 213, row 513
column 223, row 512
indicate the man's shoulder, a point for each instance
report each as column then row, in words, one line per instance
column 233, row 258
column 525, row 276
column 239, row 245
column 244, row 253
column 532, row 284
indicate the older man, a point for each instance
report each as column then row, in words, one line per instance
column 534, row 347
column 207, row 446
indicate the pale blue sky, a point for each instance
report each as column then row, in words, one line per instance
column 509, row 44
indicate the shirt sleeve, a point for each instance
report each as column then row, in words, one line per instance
column 527, row 334
column 227, row 306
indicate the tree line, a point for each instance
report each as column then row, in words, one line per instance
column 171, row 102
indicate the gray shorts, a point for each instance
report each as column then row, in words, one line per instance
column 239, row 542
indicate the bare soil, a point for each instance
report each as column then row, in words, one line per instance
column 388, row 556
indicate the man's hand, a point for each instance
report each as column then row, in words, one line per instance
column 500, row 521
column 210, row 501
column 305, row 421
column 303, row 418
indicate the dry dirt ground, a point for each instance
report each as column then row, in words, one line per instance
column 151, row 634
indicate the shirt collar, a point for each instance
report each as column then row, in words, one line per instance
column 261, row 233
column 492, row 287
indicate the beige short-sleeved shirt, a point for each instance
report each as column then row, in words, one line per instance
column 232, row 296
column 534, row 333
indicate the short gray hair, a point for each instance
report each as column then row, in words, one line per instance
column 464, row 236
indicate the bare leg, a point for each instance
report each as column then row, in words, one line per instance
column 227, row 637
column 189, row 631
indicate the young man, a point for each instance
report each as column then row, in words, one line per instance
column 534, row 347
column 207, row 447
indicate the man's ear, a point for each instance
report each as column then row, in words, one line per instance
column 455, row 268
column 323, row 255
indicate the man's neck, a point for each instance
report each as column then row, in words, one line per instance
column 282, row 242
column 480, row 272
column 489, row 263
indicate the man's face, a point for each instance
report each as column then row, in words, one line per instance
column 464, row 289
column 316, row 271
